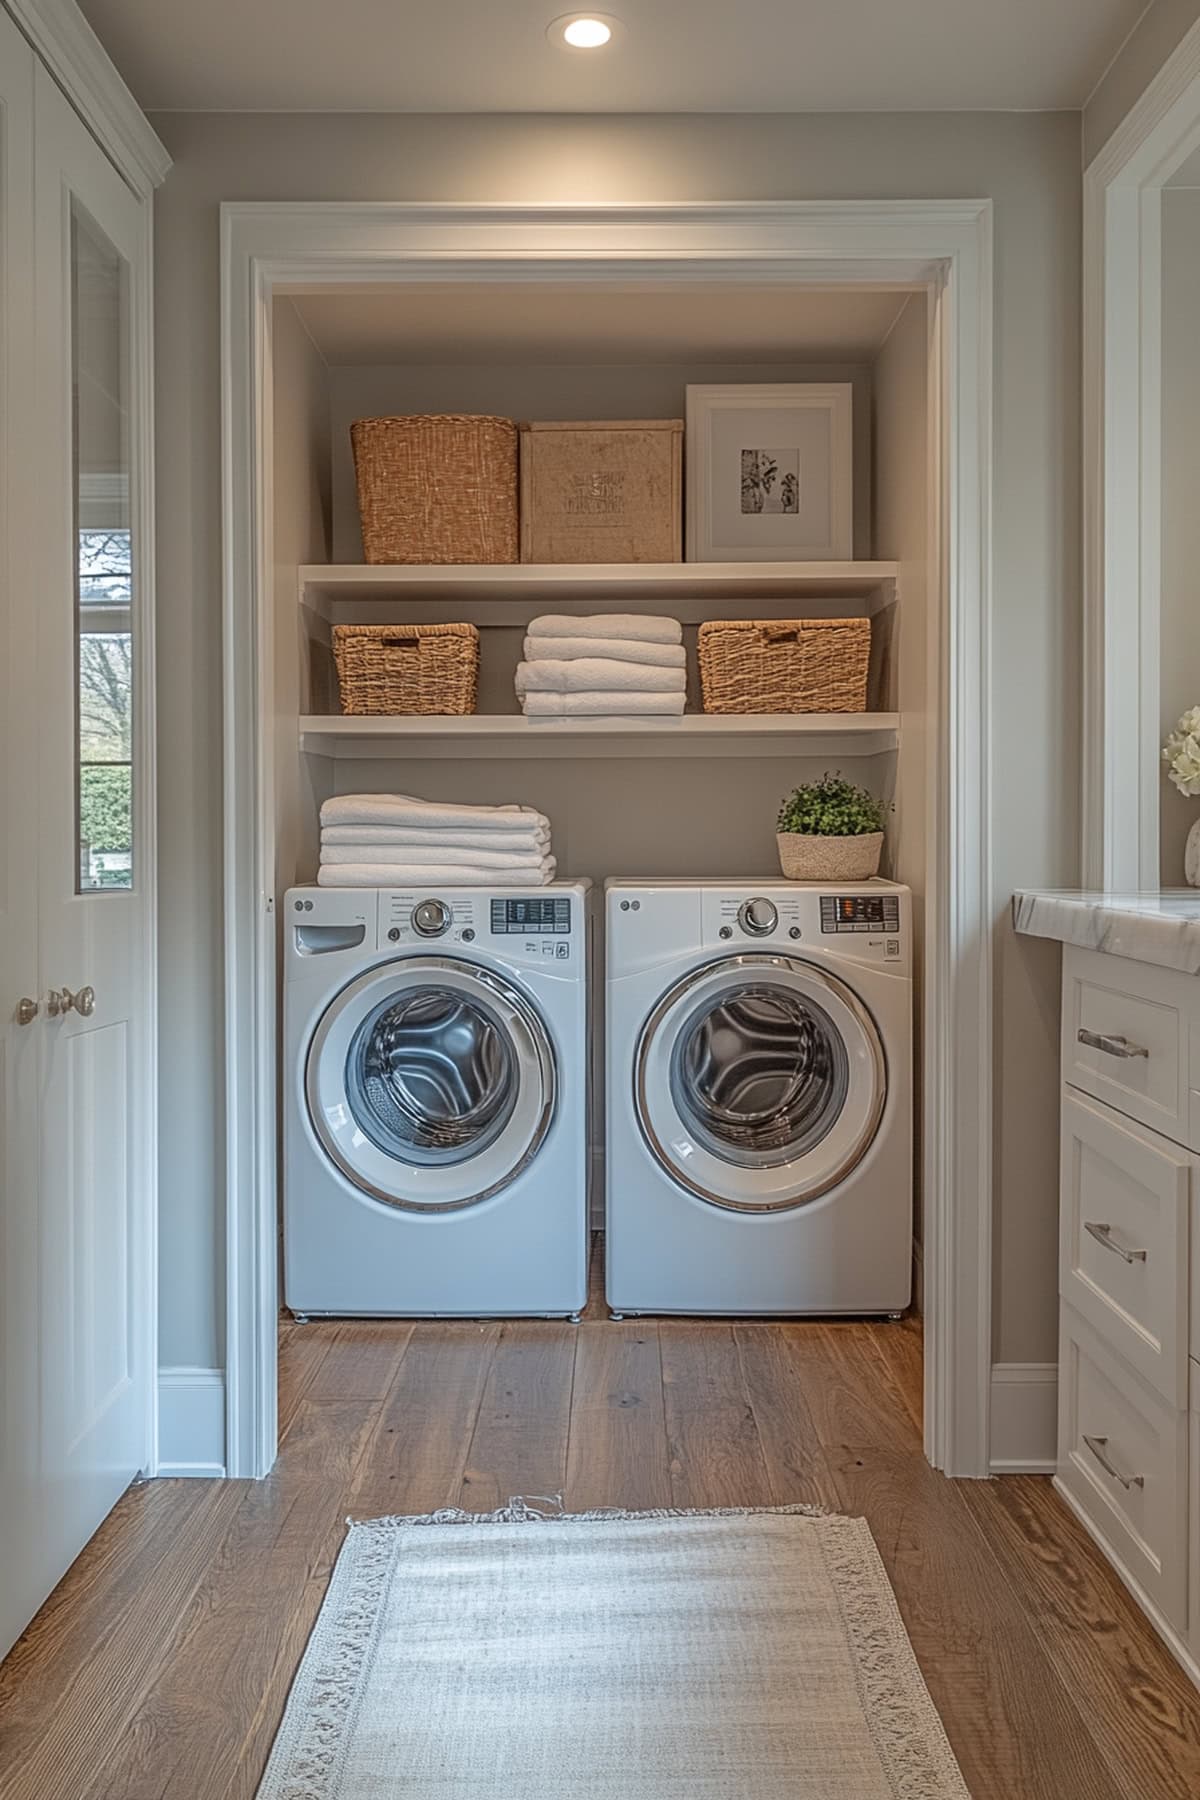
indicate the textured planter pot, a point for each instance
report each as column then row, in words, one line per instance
column 829, row 858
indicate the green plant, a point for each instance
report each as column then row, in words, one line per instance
column 830, row 807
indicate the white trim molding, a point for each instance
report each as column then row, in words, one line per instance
column 942, row 246
column 191, row 1422
column 77, row 60
column 1122, row 493
column 1024, row 1418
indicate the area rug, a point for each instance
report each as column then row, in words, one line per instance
column 522, row 1655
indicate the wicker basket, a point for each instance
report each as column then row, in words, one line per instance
column 437, row 488
column 407, row 668
column 785, row 665
column 805, row 858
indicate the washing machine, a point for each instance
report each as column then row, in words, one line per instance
column 436, row 1101
column 759, row 1097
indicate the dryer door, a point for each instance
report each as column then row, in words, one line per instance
column 431, row 1083
column 759, row 1082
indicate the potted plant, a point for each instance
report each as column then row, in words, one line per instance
column 830, row 830
column 1181, row 753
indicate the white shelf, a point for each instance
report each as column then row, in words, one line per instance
column 694, row 734
column 690, row 589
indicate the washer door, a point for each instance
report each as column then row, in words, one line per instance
column 431, row 1083
column 759, row 1082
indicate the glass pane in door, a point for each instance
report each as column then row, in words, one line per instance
column 104, row 572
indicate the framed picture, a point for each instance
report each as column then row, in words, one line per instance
column 769, row 473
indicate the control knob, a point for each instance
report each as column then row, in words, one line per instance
column 431, row 918
column 758, row 917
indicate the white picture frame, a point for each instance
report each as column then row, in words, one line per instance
column 770, row 474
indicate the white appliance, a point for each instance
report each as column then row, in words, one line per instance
column 759, row 1097
column 435, row 1130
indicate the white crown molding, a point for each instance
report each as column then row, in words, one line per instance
column 81, row 66
column 1148, row 112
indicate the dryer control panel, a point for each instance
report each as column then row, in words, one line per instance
column 527, row 928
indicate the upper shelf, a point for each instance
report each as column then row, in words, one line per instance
column 693, row 734
column 685, row 587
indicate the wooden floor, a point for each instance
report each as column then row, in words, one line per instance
column 159, row 1668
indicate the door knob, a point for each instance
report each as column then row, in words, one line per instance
column 27, row 1011
column 62, row 1000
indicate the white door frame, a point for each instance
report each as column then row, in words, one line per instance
column 1122, row 496
column 945, row 246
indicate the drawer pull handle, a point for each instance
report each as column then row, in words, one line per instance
column 1103, row 1235
column 1097, row 1447
column 1111, row 1046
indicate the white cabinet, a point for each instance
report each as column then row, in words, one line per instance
column 77, row 893
column 1129, row 1396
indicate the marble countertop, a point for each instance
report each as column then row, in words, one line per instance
column 1161, row 928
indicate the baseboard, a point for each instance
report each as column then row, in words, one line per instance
column 191, row 1422
column 1166, row 1631
column 1024, row 1433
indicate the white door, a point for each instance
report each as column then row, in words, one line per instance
column 92, row 755
column 21, row 1584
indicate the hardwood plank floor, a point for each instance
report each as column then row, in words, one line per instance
column 159, row 1668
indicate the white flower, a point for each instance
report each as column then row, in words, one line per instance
column 1181, row 753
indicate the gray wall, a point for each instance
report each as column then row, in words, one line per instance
column 1159, row 32
column 1028, row 164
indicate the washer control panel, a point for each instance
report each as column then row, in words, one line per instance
column 533, row 915
column 530, row 928
column 860, row 913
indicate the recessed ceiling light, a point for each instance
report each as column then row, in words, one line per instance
column 582, row 31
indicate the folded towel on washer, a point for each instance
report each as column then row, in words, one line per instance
column 576, row 706
column 534, row 843
column 616, row 649
column 428, row 815
column 640, row 627
column 406, row 855
column 431, row 875
column 597, row 675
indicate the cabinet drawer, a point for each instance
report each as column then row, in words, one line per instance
column 1122, row 1456
column 1124, row 1219
column 1126, row 1038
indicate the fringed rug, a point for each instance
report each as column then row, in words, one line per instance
column 611, row 1656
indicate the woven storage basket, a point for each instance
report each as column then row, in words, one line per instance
column 407, row 668
column 785, row 665
column 437, row 488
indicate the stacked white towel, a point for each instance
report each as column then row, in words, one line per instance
column 394, row 840
column 623, row 664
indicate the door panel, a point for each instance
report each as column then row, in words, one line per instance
column 95, row 949
column 23, row 1579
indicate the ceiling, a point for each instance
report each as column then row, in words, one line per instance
column 515, row 323
column 669, row 55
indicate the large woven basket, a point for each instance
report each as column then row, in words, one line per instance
column 437, row 488
column 785, row 665
column 407, row 668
